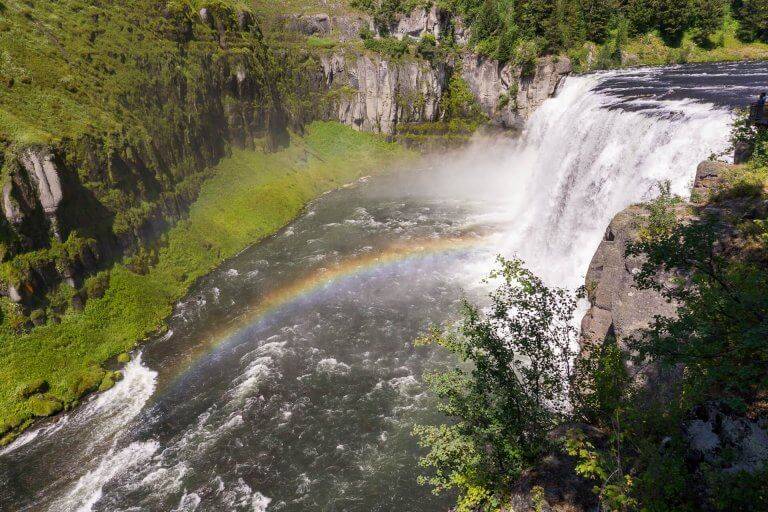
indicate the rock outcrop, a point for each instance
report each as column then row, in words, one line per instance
column 618, row 307
column 420, row 22
column 40, row 168
column 505, row 94
column 75, row 205
column 343, row 28
column 372, row 93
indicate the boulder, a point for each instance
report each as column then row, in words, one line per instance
column 727, row 440
column 709, row 176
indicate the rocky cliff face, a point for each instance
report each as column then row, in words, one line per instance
column 617, row 306
column 372, row 93
column 506, row 95
column 75, row 203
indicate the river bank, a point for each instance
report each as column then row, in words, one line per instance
column 52, row 367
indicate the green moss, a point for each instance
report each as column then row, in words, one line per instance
column 107, row 383
column 320, row 42
column 43, row 405
column 123, row 358
column 250, row 196
column 31, row 388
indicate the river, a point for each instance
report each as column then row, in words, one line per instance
column 288, row 380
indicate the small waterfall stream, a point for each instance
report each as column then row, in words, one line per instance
column 288, row 381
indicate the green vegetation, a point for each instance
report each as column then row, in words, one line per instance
column 630, row 399
column 249, row 196
column 596, row 34
column 389, row 46
column 320, row 42
column 712, row 354
column 505, row 28
column 508, row 393
column 459, row 105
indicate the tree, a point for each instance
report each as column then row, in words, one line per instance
column 718, row 335
column 508, row 391
column 674, row 17
column 753, row 20
column 708, row 18
column 597, row 15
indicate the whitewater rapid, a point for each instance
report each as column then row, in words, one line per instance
column 288, row 380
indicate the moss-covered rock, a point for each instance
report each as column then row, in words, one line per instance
column 86, row 381
column 123, row 358
column 43, row 405
column 33, row 387
column 108, row 382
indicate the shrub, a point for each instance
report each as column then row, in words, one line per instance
column 427, row 47
column 387, row 46
column 525, row 57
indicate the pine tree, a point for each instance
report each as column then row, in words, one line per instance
column 753, row 18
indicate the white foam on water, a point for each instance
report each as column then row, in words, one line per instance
column 87, row 491
column 110, row 411
column 188, row 503
column 331, row 366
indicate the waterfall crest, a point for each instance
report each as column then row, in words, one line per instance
column 586, row 155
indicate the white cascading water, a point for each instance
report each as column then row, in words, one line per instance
column 583, row 157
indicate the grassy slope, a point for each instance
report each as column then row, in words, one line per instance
column 251, row 195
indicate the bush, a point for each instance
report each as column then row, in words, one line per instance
column 526, row 56
column 427, row 48
column 96, row 286
column 387, row 46
column 458, row 102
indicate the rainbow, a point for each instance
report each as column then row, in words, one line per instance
column 314, row 283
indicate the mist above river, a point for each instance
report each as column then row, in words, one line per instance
column 288, row 380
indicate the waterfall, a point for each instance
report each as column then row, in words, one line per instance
column 587, row 154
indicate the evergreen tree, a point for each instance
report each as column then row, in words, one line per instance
column 596, row 16
column 674, row 17
column 707, row 19
column 753, row 18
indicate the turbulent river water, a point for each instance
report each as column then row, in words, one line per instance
column 288, row 380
